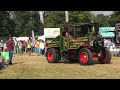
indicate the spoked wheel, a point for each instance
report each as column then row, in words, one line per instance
column 85, row 57
column 105, row 56
column 52, row 56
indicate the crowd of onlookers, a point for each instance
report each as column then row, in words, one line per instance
column 37, row 46
column 22, row 46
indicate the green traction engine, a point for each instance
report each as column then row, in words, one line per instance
column 84, row 45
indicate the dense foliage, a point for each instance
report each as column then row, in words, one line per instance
column 21, row 23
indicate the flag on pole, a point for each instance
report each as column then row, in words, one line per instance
column 33, row 36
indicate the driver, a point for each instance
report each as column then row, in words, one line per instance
column 68, row 35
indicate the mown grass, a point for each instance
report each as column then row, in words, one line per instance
column 37, row 67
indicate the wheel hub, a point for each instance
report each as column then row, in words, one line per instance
column 84, row 56
column 50, row 56
column 99, row 54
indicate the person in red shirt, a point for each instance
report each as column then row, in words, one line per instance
column 10, row 48
column 25, row 46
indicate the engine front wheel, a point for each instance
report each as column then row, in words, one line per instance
column 85, row 57
column 105, row 56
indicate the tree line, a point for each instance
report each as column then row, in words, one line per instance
column 21, row 23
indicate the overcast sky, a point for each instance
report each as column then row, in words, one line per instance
column 102, row 12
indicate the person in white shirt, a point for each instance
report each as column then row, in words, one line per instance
column 109, row 43
column 1, row 45
column 5, row 47
column 105, row 42
column 42, row 47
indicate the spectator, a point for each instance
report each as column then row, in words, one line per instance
column 105, row 42
column 5, row 47
column 109, row 43
column 10, row 48
column 20, row 47
column 25, row 44
column 29, row 47
column 42, row 47
column 45, row 52
column 1, row 45
column 37, row 47
column 32, row 46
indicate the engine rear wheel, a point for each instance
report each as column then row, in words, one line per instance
column 52, row 56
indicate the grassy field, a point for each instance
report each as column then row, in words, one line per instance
column 37, row 67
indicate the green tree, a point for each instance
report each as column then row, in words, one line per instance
column 6, row 24
column 103, row 19
column 25, row 22
column 80, row 16
column 114, row 17
column 57, row 18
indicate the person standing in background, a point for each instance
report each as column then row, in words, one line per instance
column 20, row 47
column 25, row 44
column 45, row 45
column 29, row 47
column 32, row 47
column 5, row 47
column 37, row 47
column 10, row 48
column 18, row 50
column 1, row 45
column 42, row 45
column 105, row 42
column 109, row 43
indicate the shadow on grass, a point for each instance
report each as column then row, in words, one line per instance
column 33, row 55
column 97, row 62
column 17, row 63
column 94, row 62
